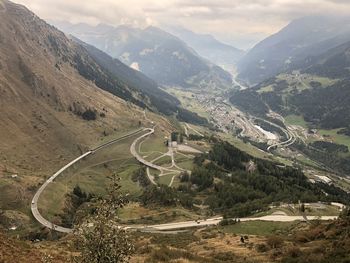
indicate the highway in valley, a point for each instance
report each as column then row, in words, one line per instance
column 216, row 220
column 159, row 227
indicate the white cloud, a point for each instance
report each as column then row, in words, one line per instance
column 235, row 21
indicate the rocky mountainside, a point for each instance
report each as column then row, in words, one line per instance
column 158, row 54
column 292, row 47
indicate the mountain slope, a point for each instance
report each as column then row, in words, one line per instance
column 58, row 97
column 210, row 48
column 316, row 83
column 46, row 103
column 162, row 100
column 288, row 49
column 155, row 97
column 159, row 55
column 334, row 63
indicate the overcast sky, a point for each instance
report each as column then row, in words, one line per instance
column 238, row 22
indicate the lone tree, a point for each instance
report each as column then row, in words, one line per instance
column 100, row 239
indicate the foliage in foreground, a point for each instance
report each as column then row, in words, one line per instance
column 322, row 243
column 100, row 239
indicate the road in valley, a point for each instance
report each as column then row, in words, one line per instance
column 217, row 220
column 158, row 227
column 291, row 138
column 34, row 204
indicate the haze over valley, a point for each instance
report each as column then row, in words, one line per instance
column 172, row 131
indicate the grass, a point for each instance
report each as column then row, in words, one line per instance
column 260, row 228
column 195, row 128
column 295, row 82
column 154, row 172
column 176, row 182
column 187, row 165
column 188, row 102
column 296, row 120
column 165, row 160
column 307, row 161
column 152, row 156
column 133, row 213
column 245, row 147
column 325, row 210
column 166, row 179
column 269, row 88
column 181, row 158
column 254, row 151
column 91, row 174
column 337, row 138
column 154, row 143
column 342, row 182
column 325, row 82
column 115, row 135
column 14, row 195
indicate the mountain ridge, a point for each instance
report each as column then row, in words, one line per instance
column 287, row 49
column 158, row 54
column 209, row 47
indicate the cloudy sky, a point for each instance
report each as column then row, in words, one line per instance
column 238, row 22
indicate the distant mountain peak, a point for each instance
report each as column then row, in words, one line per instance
column 288, row 48
column 173, row 63
column 209, row 47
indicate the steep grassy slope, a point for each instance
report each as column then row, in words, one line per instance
column 52, row 108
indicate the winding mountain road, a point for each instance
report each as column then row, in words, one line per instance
column 34, row 204
column 291, row 138
column 217, row 220
column 140, row 158
column 159, row 227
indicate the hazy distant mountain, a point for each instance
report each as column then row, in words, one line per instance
column 289, row 48
column 334, row 63
column 319, row 90
column 158, row 54
column 210, row 48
